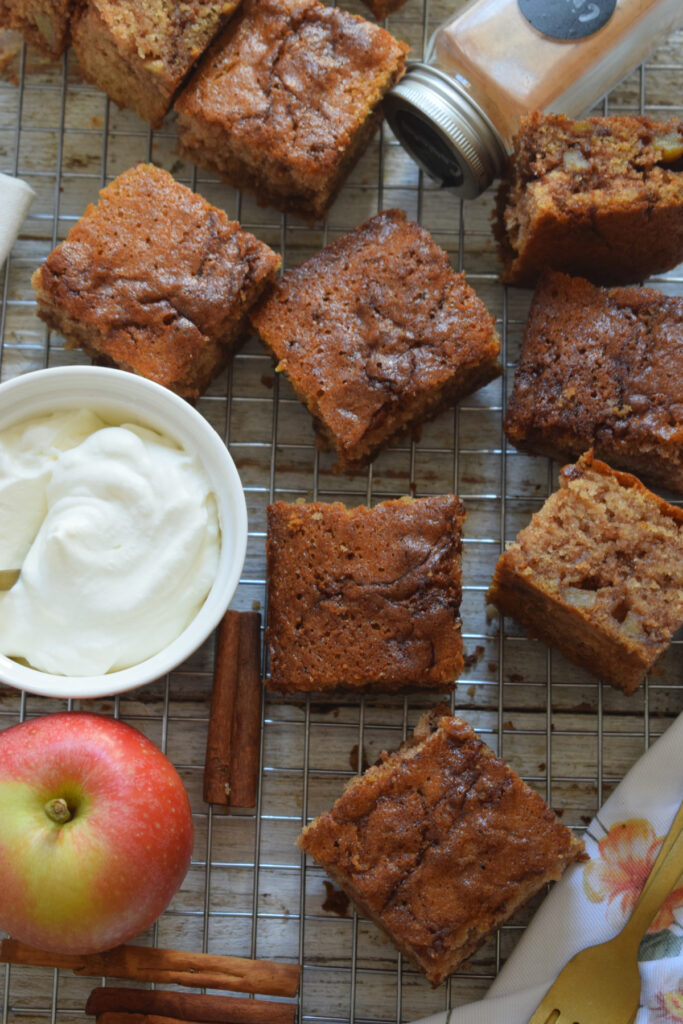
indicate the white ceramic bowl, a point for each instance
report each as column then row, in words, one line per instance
column 115, row 394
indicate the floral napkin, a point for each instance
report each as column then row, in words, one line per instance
column 15, row 199
column 595, row 898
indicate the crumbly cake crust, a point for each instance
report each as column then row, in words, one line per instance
column 598, row 573
column 287, row 99
column 44, row 24
column 602, row 369
column 140, row 53
column 154, row 280
column 600, row 198
column 377, row 334
column 440, row 844
column 364, row 597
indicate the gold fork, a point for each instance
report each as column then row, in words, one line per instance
column 8, row 577
column 602, row 983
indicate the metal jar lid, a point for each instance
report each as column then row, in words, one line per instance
column 445, row 131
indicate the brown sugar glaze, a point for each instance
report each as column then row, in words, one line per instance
column 154, row 280
column 286, row 100
column 602, row 368
column 365, row 597
column 440, row 844
column 377, row 334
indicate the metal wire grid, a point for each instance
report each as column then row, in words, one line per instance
column 249, row 891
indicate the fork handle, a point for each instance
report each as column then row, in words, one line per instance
column 670, row 838
column 666, row 871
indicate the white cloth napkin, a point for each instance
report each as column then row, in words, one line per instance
column 594, row 900
column 15, row 198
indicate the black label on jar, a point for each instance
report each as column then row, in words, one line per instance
column 567, row 19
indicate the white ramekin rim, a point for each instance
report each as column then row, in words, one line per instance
column 118, row 394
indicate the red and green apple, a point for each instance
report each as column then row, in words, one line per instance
column 95, row 832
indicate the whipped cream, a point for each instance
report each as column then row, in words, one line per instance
column 116, row 531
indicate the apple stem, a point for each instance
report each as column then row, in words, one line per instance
column 58, row 810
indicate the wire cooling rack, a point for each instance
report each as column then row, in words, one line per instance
column 249, row 891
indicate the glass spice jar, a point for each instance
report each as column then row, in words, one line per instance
column 493, row 60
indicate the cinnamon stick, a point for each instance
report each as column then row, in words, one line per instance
column 223, row 695
column 114, row 1017
column 113, row 1005
column 246, row 730
column 166, row 966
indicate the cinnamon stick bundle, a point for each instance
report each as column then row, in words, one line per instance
column 113, row 1005
column 232, row 750
column 166, row 966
